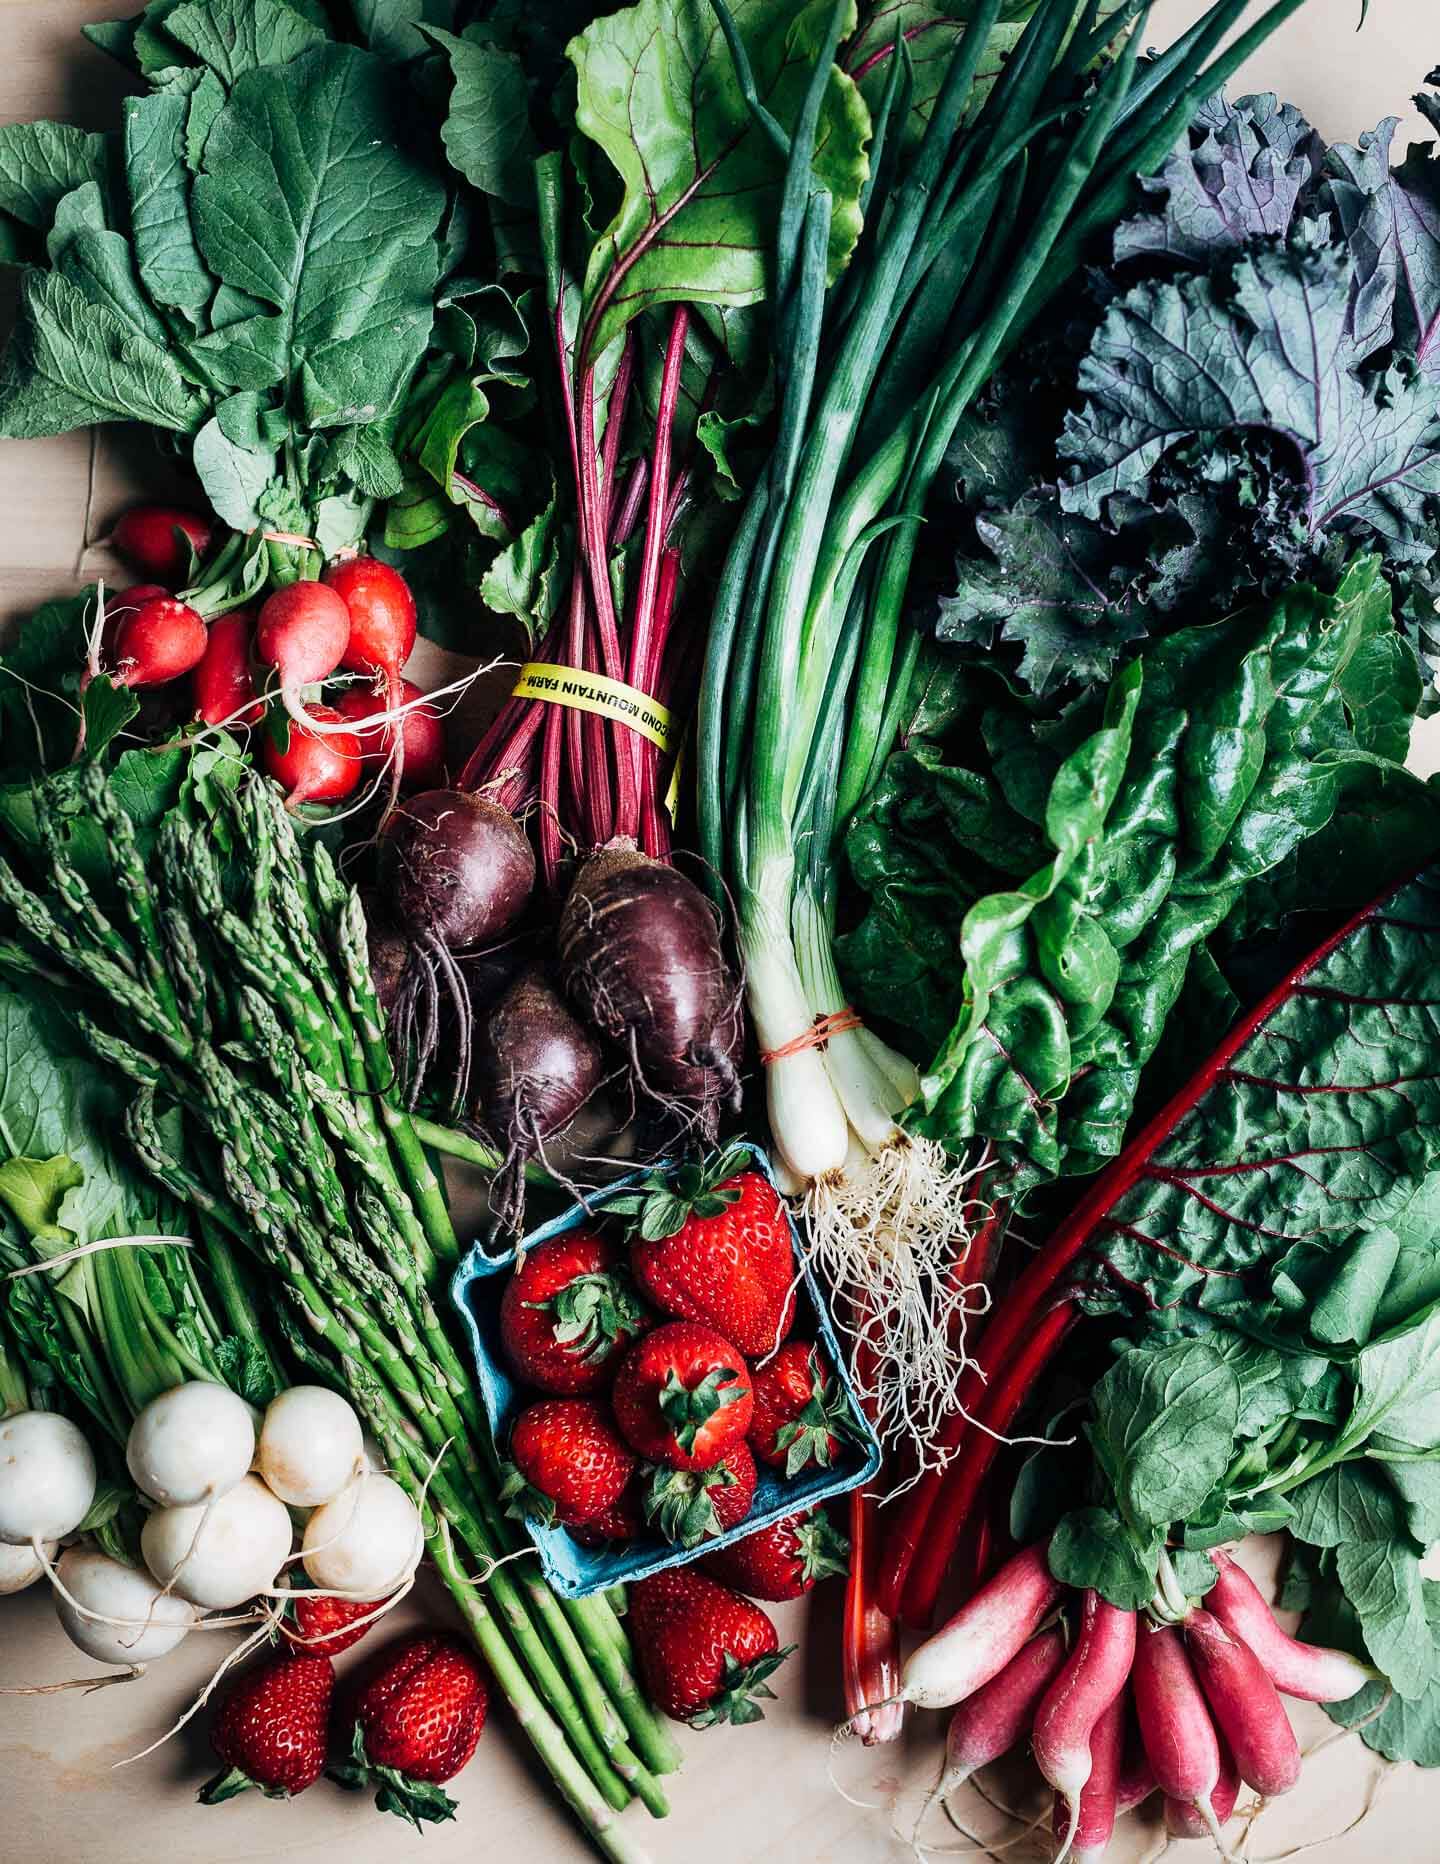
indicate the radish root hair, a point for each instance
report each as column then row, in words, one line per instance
column 257, row 1637
column 843, row 1732
column 227, row 1622
column 885, row 1232
column 88, row 1683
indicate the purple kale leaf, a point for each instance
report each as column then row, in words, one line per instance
column 1242, row 177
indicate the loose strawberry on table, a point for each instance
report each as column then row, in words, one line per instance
column 271, row 1727
column 328, row 1625
column 569, row 1464
column 419, row 1710
column 801, row 1411
column 689, row 1506
column 568, row 1313
column 712, row 1243
column 683, row 1396
column 784, row 1560
column 705, row 1652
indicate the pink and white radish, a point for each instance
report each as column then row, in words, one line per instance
column 985, row 1635
column 222, row 1552
column 365, row 1543
column 311, row 1446
column 1000, row 1714
column 1091, row 1679
column 191, row 1445
column 1176, row 1726
column 1247, row 1709
column 1099, row 1797
column 1182, row 1821
column 1310, row 1672
column 47, row 1478
column 115, row 1613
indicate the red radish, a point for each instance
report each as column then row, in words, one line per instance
column 303, row 632
column 1092, row 1678
column 124, row 602
column 1137, row 1776
column 1182, row 1821
column 382, row 633
column 312, row 769
column 1175, row 1724
column 162, row 540
column 157, row 641
column 984, row 1635
column 1099, row 1797
column 421, row 753
column 224, row 684
column 1311, row 1672
column 999, row 1716
column 1248, row 1712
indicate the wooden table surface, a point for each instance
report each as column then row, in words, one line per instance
column 748, row 1796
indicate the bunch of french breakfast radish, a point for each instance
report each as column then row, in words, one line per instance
column 1182, row 1700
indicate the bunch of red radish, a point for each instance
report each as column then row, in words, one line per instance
column 1117, row 1706
column 358, row 620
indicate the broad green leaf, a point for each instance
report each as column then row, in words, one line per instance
column 233, row 477
column 40, row 163
column 417, row 515
column 487, row 126
column 236, row 36
column 158, row 177
column 1397, row 1396
column 1418, row 1486
column 523, row 579
column 364, row 455
column 1164, row 1429
column 1352, row 1502
column 72, row 363
column 349, row 266
column 33, row 1191
column 107, row 710
column 391, row 27
column 207, row 100
column 700, row 182
column 1383, row 1584
column 1093, row 1547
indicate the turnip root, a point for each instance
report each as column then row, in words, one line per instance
column 115, row 1613
column 535, row 1067
column 640, row 955
column 311, row 1446
column 47, row 1477
column 191, row 1444
column 366, row 1542
column 222, row 1553
column 22, row 1566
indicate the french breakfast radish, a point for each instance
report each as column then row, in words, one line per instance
column 162, row 540
column 47, row 1477
column 1310, row 1672
column 223, row 682
column 311, row 768
column 1137, row 1777
column 419, row 732
column 999, row 1715
column 1176, row 1726
column 382, row 634
column 1099, row 1797
column 1247, row 1708
column 191, row 1444
column 986, row 1634
column 157, row 641
column 302, row 632
column 1091, row 1679
column 1182, row 1821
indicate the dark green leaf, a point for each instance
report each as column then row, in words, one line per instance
column 487, row 127
column 1352, row 1502
column 1164, row 1429
column 158, row 177
column 1093, row 1547
column 107, row 710
column 40, row 163
column 1383, row 1584
column 236, row 36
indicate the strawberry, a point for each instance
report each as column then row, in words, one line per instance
column 713, row 1244
column 622, row 1521
column 706, row 1653
column 682, row 1396
column 419, row 1711
column 568, row 1463
column 327, row 1625
column 271, row 1728
column 568, row 1312
column 784, row 1560
column 688, row 1507
column 801, row 1414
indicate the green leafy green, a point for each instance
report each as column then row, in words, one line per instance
column 1094, row 1547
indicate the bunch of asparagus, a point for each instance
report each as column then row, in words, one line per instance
column 236, row 996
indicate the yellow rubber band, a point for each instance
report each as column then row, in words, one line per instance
column 596, row 692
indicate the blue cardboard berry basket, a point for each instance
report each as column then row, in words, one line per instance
column 575, row 1570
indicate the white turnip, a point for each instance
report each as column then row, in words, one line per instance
column 47, row 1477
column 115, row 1613
column 22, row 1566
column 311, row 1446
column 367, row 1542
column 191, row 1444
column 223, row 1552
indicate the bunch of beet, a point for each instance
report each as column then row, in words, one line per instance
column 1116, row 1706
column 659, row 1370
